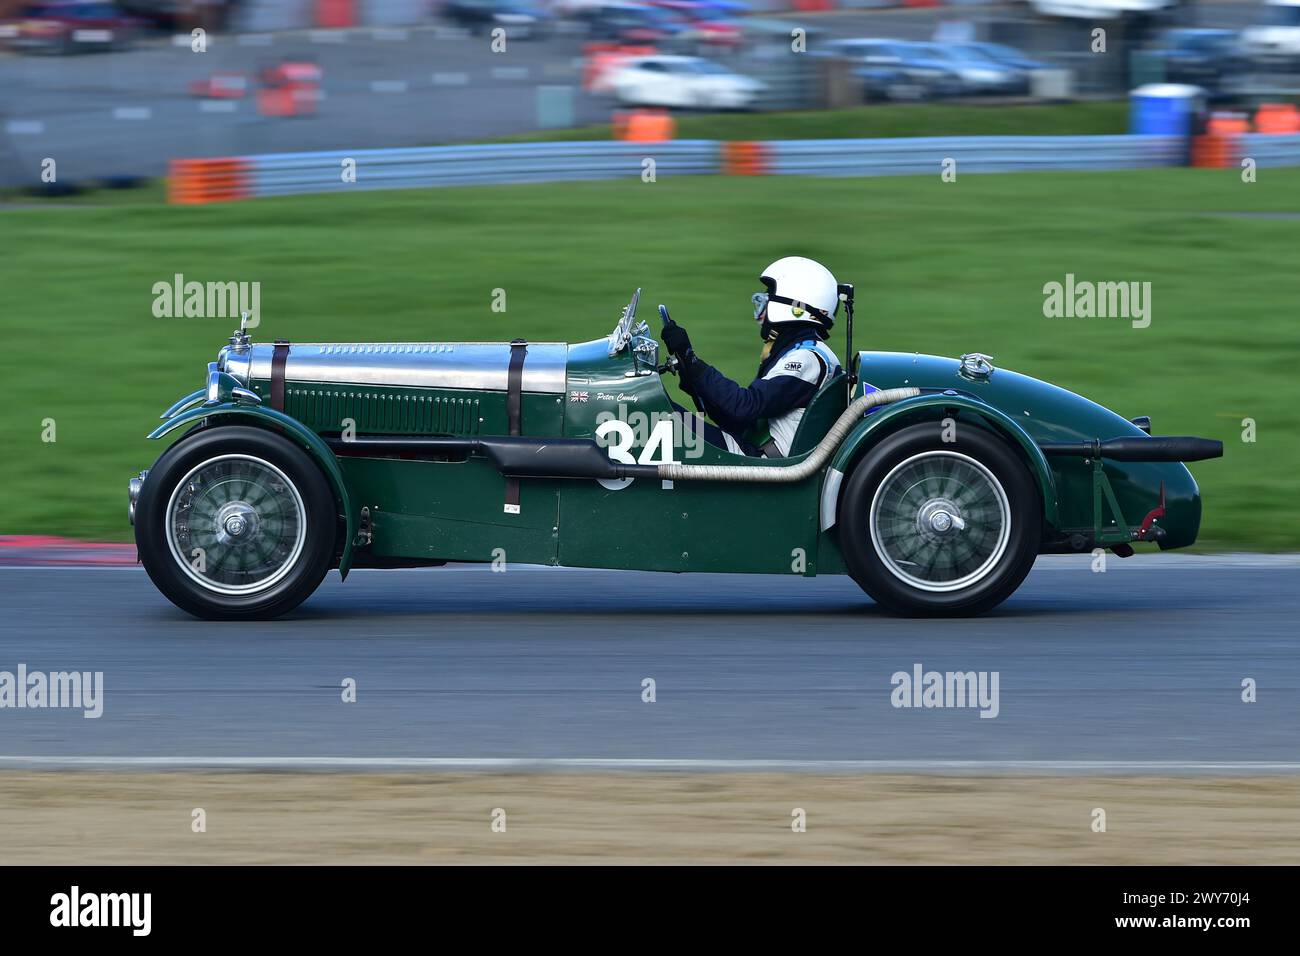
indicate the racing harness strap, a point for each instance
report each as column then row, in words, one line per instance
column 279, row 355
column 514, row 409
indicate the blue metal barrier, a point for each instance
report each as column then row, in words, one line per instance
column 288, row 173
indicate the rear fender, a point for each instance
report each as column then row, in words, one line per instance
column 935, row 408
column 258, row 415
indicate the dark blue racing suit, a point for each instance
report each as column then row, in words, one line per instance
column 798, row 365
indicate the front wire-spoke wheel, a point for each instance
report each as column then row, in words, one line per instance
column 236, row 522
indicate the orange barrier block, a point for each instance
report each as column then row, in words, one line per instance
column 192, row 182
column 287, row 101
column 648, row 126
column 1215, row 150
column 745, row 158
column 1278, row 119
column 291, row 88
column 1228, row 124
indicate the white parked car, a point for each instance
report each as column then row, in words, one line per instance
column 1101, row 9
column 1277, row 33
column 683, row 81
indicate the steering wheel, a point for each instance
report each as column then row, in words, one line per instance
column 674, row 365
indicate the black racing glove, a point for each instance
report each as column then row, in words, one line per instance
column 676, row 341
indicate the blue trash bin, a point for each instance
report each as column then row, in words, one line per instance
column 1165, row 109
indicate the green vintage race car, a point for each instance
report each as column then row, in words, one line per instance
column 935, row 492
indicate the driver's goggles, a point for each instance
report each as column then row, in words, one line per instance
column 761, row 300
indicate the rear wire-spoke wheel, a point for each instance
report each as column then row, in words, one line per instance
column 236, row 522
column 940, row 521
column 941, row 528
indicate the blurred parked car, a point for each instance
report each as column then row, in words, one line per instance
column 628, row 22
column 1201, row 57
column 894, row 70
column 519, row 18
column 682, row 81
column 979, row 74
column 1008, row 56
column 1277, row 35
column 170, row 14
column 575, row 8
column 703, row 24
column 728, row 8
column 69, row 27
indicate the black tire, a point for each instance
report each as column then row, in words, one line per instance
column 979, row 462
column 312, row 515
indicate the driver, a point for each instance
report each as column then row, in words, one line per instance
column 795, row 316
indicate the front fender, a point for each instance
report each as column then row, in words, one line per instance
column 316, row 447
column 933, row 408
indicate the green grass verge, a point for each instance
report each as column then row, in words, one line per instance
column 944, row 268
column 885, row 120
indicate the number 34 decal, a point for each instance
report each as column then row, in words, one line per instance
column 621, row 437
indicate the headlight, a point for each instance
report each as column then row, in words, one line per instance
column 133, row 493
column 224, row 388
column 215, row 389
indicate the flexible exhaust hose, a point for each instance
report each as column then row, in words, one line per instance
column 786, row 474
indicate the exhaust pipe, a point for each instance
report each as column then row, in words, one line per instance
column 788, row 474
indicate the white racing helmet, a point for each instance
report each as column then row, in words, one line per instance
column 798, row 290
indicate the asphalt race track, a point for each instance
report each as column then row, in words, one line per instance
column 1138, row 667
